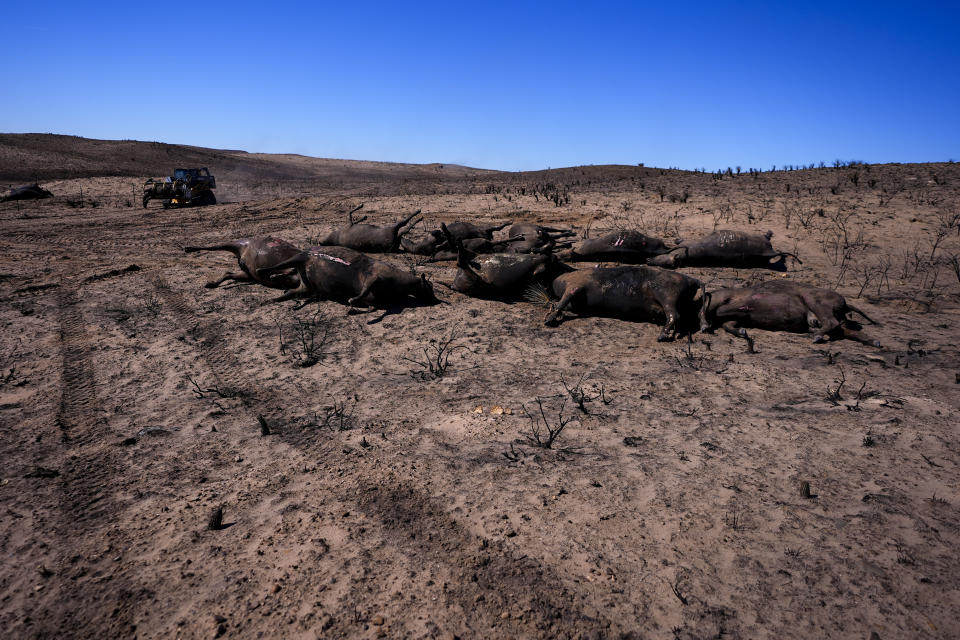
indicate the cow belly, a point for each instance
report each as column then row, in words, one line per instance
column 620, row 303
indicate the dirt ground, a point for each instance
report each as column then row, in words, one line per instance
column 387, row 504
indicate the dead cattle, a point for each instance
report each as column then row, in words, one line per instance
column 635, row 293
column 726, row 249
column 528, row 237
column 784, row 306
column 253, row 254
column 473, row 236
column 29, row 192
column 502, row 275
column 449, row 250
column 368, row 237
column 345, row 275
column 618, row 246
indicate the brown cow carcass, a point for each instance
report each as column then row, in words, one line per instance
column 474, row 236
column 726, row 248
column 351, row 277
column 28, row 192
column 627, row 246
column 639, row 293
column 527, row 237
column 359, row 236
column 253, row 254
column 785, row 306
column 503, row 275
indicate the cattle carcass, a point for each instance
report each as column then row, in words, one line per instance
column 626, row 246
column 252, row 255
column 28, row 192
column 368, row 237
column 502, row 275
column 528, row 237
column 639, row 293
column 449, row 250
column 726, row 248
column 473, row 236
column 784, row 306
column 345, row 275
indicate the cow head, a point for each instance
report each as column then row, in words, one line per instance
column 669, row 260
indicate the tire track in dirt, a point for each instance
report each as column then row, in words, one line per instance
column 87, row 503
column 257, row 399
column 411, row 522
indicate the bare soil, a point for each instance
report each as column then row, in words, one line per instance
column 387, row 503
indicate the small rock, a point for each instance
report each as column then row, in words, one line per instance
column 276, row 588
column 238, row 459
column 377, row 621
column 505, row 615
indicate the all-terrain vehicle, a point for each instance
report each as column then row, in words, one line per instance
column 185, row 188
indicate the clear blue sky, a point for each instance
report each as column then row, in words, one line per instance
column 496, row 85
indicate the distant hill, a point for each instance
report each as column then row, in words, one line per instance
column 25, row 157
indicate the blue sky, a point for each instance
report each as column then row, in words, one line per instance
column 508, row 85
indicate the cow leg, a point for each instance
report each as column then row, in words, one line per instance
column 859, row 336
column 705, row 326
column 364, row 292
column 353, row 311
column 299, row 292
column 732, row 328
column 230, row 275
column 554, row 317
column 670, row 327
column 824, row 315
column 397, row 234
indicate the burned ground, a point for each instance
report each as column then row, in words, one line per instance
column 391, row 501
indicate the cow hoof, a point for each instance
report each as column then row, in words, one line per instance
column 664, row 338
column 877, row 344
column 819, row 339
column 211, row 285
